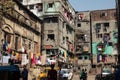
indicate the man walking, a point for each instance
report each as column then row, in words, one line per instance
column 52, row 74
column 25, row 73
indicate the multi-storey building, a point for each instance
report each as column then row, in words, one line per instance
column 36, row 6
column 58, row 32
column 20, row 33
column 82, row 39
column 104, row 36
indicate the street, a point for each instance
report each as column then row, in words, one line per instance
column 90, row 77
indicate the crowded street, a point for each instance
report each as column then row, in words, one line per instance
column 59, row 40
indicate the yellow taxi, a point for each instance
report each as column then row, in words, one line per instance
column 44, row 72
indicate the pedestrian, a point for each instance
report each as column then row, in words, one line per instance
column 25, row 73
column 59, row 74
column 85, row 74
column 52, row 74
column 82, row 75
column 117, row 73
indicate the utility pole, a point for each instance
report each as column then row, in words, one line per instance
column 118, row 24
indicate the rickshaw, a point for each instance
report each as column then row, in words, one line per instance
column 44, row 72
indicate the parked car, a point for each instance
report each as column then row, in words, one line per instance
column 51, row 61
column 106, row 74
column 106, row 71
column 66, row 74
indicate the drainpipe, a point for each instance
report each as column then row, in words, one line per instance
column 91, row 38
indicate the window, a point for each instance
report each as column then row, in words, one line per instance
column 51, row 51
column 67, row 38
column 23, row 41
column 8, row 38
column 82, row 37
column 80, row 57
column 63, row 39
column 104, row 29
column 16, row 43
column 110, row 43
column 98, row 25
column 85, row 58
column 54, row 19
column 115, row 14
column 63, row 24
column 115, row 34
column 51, row 20
column 106, row 24
column 39, row 6
column 35, row 47
column 31, row 7
column 78, row 25
column 100, row 35
column 50, row 5
column 51, row 37
column 29, row 45
column 103, row 14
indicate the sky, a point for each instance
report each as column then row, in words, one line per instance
column 85, row 5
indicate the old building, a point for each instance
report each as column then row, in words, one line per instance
column 20, row 33
column 58, row 32
column 35, row 6
column 83, row 39
column 104, row 36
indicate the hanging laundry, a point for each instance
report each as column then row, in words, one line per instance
column 99, row 57
column 9, row 50
column 5, row 46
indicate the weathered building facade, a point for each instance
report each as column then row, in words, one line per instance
column 59, row 28
column 20, row 33
column 35, row 6
column 104, row 36
column 82, row 39
column 58, row 32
